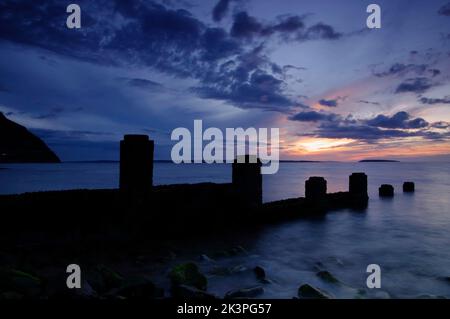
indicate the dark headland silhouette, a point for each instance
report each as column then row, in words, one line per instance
column 18, row 145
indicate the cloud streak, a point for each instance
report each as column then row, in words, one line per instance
column 399, row 125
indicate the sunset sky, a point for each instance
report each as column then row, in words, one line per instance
column 336, row 89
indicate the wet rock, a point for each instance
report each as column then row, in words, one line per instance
column 307, row 291
column 220, row 271
column 250, row 292
column 188, row 274
column 138, row 287
column 259, row 272
column 327, row 276
column 380, row 294
column 386, row 190
column 237, row 250
column 85, row 292
column 408, row 187
column 207, row 258
column 427, row 296
column 21, row 282
column 188, row 292
column 104, row 279
column 238, row 269
column 360, row 294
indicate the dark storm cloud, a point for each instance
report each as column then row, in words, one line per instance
column 59, row 135
column 398, row 120
column 247, row 83
column 321, row 31
column 414, row 85
column 368, row 102
column 169, row 40
column 426, row 100
column 329, row 103
column 287, row 27
column 441, row 125
column 142, row 83
column 434, row 72
column 262, row 90
column 445, row 10
column 400, row 68
column 357, row 132
column 220, row 10
column 313, row 116
column 53, row 112
column 245, row 26
column 399, row 125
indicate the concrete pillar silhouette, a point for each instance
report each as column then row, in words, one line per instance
column 315, row 188
column 357, row 184
column 136, row 163
column 247, row 180
column 386, row 190
column 408, row 187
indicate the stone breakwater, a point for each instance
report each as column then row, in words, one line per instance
column 139, row 209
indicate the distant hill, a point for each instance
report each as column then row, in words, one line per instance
column 18, row 145
column 378, row 161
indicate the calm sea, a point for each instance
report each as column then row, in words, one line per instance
column 408, row 236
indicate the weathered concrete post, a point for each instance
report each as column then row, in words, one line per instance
column 357, row 185
column 315, row 188
column 136, row 164
column 408, row 187
column 247, row 180
column 386, row 190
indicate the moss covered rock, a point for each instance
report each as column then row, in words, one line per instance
column 188, row 274
column 20, row 282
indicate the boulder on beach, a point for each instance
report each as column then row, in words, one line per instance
column 189, row 292
column 259, row 272
column 188, row 274
column 386, row 190
column 307, row 291
column 20, row 282
column 104, row 279
column 250, row 292
column 138, row 287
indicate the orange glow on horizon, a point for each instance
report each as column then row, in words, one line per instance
column 352, row 150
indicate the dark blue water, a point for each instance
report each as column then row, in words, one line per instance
column 408, row 236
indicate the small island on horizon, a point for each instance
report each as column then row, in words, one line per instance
column 378, row 161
